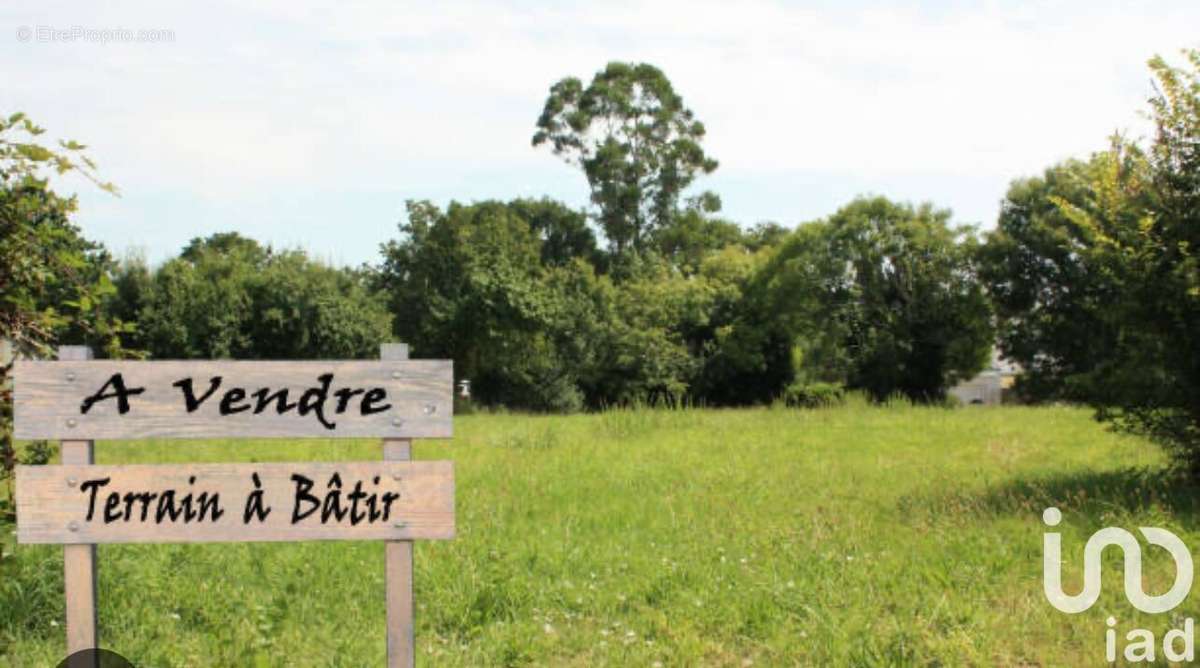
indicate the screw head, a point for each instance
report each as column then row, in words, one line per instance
column 397, row 422
column 430, row 409
column 70, row 376
column 71, row 422
column 71, row 482
column 400, row 525
column 396, row 477
column 73, row 526
column 396, row 375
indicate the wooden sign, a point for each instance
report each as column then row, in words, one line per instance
column 77, row 400
column 199, row 503
column 220, row 399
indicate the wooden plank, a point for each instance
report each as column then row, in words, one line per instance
column 179, row 503
column 79, row 561
column 398, row 557
column 384, row 398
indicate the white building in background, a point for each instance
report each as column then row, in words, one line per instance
column 988, row 387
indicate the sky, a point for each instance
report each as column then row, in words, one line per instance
column 309, row 127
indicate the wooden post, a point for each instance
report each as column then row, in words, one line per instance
column 79, row 561
column 398, row 556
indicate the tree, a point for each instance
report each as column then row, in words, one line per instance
column 225, row 244
column 916, row 319
column 563, row 231
column 1052, row 287
column 467, row 283
column 745, row 348
column 53, row 281
column 880, row 297
column 694, row 234
column 764, row 235
column 227, row 296
column 550, row 335
column 1094, row 272
column 653, row 324
column 1151, row 382
column 637, row 143
column 304, row 309
column 198, row 306
column 132, row 280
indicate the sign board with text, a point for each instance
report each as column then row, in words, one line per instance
column 224, row 399
column 78, row 400
column 197, row 503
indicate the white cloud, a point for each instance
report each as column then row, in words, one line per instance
column 277, row 100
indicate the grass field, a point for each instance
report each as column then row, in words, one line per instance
column 848, row 536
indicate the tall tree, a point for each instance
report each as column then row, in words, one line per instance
column 637, row 143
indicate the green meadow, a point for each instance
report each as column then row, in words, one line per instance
column 856, row 536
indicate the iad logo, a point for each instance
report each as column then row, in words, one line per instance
column 1140, row 645
column 1052, row 567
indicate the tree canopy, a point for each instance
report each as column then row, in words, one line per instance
column 53, row 281
column 1090, row 279
column 634, row 139
column 1095, row 278
column 227, row 296
column 880, row 296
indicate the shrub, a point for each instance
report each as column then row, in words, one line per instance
column 813, row 395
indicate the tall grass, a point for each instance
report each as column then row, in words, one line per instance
column 854, row 535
